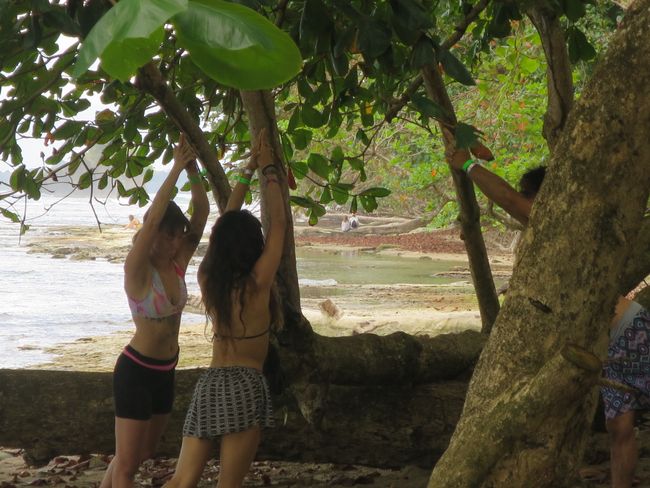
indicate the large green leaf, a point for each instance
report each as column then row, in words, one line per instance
column 429, row 108
column 579, row 46
column 375, row 192
column 454, row 68
column 319, row 164
column 236, row 46
column 574, row 9
column 374, row 37
column 466, row 135
column 127, row 36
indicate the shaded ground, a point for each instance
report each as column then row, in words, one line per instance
column 87, row 472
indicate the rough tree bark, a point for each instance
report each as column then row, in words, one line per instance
column 638, row 262
column 518, row 428
column 470, row 214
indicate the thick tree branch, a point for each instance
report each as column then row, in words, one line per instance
column 151, row 81
column 559, row 78
column 470, row 214
column 396, row 359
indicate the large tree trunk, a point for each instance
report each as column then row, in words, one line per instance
column 331, row 412
column 260, row 108
column 528, row 409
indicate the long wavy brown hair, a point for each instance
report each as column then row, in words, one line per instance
column 236, row 243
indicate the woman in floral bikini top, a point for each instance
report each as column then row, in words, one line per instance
column 154, row 281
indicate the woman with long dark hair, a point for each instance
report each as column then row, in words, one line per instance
column 154, row 281
column 231, row 402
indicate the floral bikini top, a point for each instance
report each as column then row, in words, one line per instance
column 156, row 305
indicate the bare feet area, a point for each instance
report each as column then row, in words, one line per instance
column 332, row 310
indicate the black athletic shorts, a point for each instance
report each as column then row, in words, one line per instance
column 143, row 386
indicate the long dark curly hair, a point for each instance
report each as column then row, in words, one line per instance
column 236, row 243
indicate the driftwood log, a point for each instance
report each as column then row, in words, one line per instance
column 396, row 417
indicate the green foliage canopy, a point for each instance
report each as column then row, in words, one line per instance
column 359, row 59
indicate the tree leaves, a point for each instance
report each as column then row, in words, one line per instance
column 423, row 53
column 315, row 209
column 127, row 36
column 466, row 135
column 454, row 68
column 409, row 20
column 374, row 37
column 579, row 47
column 236, row 46
column 429, row 108
column 231, row 43
column 573, row 9
column 319, row 164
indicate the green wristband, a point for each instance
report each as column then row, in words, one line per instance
column 194, row 179
column 467, row 164
column 243, row 180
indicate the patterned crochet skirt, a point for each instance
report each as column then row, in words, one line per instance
column 227, row 400
column 628, row 363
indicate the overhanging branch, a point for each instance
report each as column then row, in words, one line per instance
column 151, row 81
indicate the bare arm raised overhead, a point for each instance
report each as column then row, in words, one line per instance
column 268, row 263
column 238, row 194
column 201, row 210
column 137, row 269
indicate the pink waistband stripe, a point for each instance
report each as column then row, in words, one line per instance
column 137, row 360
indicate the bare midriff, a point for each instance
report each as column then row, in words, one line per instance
column 156, row 338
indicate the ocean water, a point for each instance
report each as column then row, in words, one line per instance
column 46, row 301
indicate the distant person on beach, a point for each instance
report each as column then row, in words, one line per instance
column 134, row 223
column 629, row 348
column 345, row 224
column 232, row 402
column 154, row 281
column 354, row 221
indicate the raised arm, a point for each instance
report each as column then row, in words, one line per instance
column 201, row 210
column 238, row 193
column 494, row 187
column 136, row 266
column 268, row 263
